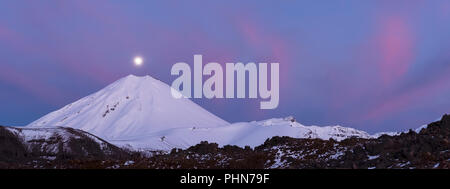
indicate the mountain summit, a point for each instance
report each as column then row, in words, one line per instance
column 130, row 107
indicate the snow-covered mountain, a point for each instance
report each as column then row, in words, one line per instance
column 140, row 112
column 132, row 106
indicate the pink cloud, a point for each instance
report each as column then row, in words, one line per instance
column 15, row 40
column 408, row 98
column 43, row 91
column 259, row 37
column 395, row 42
column 274, row 47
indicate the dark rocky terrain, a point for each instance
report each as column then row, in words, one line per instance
column 427, row 149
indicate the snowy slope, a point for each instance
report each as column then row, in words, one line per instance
column 240, row 134
column 59, row 140
column 129, row 107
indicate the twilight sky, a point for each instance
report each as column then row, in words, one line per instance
column 372, row 65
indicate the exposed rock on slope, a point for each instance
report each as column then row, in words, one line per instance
column 26, row 144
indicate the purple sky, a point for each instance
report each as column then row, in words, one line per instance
column 372, row 65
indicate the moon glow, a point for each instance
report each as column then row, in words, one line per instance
column 138, row 61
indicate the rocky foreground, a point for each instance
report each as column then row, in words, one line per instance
column 73, row 148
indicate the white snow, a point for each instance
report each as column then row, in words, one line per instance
column 337, row 155
column 420, row 128
column 436, row 165
column 376, row 135
column 373, row 157
column 127, row 163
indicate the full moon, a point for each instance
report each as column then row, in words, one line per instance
column 138, row 61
